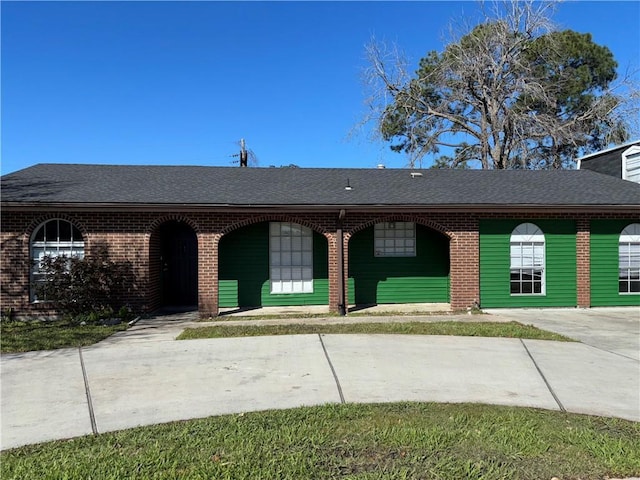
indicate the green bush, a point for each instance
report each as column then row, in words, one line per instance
column 85, row 289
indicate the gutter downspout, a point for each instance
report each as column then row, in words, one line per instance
column 342, row 308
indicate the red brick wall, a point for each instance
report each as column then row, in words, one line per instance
column 583, row 254
column 132, row 237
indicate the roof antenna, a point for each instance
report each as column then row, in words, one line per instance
column 245, row 155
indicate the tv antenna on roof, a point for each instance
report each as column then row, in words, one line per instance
column 246, row 155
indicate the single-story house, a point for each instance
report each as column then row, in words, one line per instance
column 622, row 161
column 216, row 237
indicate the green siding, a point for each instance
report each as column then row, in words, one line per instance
column 420, row 279
column 560, row 253
column 605, row 236
column 228, row 293
column 244, row 271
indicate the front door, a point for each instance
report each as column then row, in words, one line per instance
column 179, row 257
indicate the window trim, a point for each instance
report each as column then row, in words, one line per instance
column 385, row 228
column 530, row 234
column 307, row 284
column 70, row 247
column 630, row 235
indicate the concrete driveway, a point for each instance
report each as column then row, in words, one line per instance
column 145, row 377
column 612, row 329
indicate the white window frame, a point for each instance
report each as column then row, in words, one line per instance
column 394, row 239
column 290, row 258
column 629, row 259
column 527, row 256
column 52, row 247
column 631, row 157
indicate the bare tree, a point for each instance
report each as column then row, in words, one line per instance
column 509, row 93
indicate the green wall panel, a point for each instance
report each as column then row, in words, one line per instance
column 228, row 293
column 244, row 266
column 420, row 279
column 560, row 253
column 605, row 235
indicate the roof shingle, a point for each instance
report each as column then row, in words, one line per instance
column 234, row 186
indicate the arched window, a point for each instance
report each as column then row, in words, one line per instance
column 53, row 238
column 629, row 259
column 527, row 260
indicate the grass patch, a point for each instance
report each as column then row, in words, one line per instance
column 470, row 329
column 403, row 440
column 224, row 317
column 18, row 336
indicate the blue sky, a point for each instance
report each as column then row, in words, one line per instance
column 181, row 82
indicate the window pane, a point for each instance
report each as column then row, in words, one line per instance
column 516, row 256
column 39, row 236
column 307, row 243
column 285, row 229
column 51, row 231
column 64, row 231
column 296, row 274
column 77, row 235
column 307, row 273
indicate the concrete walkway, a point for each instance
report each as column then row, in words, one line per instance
column 142, row 376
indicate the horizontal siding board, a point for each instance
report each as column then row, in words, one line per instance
column 560, row 264
column 228, row 293
column 420, row 279
column 605, row 237
column 351, row 291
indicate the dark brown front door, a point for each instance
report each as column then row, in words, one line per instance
column 179, row 257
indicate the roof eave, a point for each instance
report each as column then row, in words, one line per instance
column 196, row 207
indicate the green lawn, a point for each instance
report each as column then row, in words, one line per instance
column 475, row 329
column 392, row 441
column 17, row 336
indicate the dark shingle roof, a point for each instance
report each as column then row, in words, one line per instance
column 235, row 186
column 608, row 162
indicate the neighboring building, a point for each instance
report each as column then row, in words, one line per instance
column 248, row 237
column 622, row 161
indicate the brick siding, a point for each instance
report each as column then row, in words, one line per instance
column 133, row 237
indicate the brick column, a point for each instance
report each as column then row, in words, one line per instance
column 333, row 271
column 583, row 263
column 464, row 254
column 208, row 274
column 345, row 259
